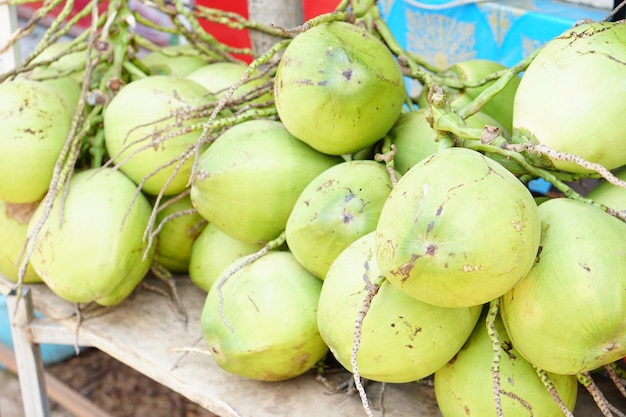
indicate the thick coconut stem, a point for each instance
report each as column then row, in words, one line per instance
column 547, row 382
column 510, row 152
column 388, row 153
column 620, row 384
column 488, row 93
column 607, row 409
column 173, row 299
column 242, row 263
column 496, row 345
column 568, row 157
column 372, row 289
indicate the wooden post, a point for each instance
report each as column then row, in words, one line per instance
column 8, row 23
column 283, row 13
column 27, row 355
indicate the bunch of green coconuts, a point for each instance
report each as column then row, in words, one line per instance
column 325, row 212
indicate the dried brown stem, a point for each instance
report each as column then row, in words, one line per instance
column 567, row 157
column 607, row 409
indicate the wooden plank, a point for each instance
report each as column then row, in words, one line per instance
column 145, row 333
column 8, row 23
column 57, row 390
column 28, row 356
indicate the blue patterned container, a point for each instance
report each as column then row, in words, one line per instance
column 446, row 32
column 50, row 353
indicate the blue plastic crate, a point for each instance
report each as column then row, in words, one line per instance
column 446, row 32
column 50, row 353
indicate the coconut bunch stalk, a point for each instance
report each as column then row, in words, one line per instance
column 100, row 62
column 512, row 149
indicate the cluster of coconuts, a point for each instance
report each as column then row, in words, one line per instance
column 455, row 232
column 92, row 247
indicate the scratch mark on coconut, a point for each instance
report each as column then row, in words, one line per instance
column 254, row 304
column 346, row 217
column 472, row 268
column 538, row 256
column 518, row 225
column 349, row 196
column 404, row 270
column 327, row 184
column 414, row 329
column 584, row 266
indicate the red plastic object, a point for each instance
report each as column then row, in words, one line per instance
column 240, row 38
column 232, row 37
column 27, row 9
column 312, row 8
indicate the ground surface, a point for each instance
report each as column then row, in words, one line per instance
column 114, row 387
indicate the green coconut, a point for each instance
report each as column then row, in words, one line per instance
column 35, row 121
column 402, row 339
column 473, row 71
column 568, row 314
column 249, row 179
column 457, row 230
column 176, row 237
column 14, row 220
column 218, row 77
column 611, row 195
column 572, row 95
column 212, row 252
column 415, row 139
column 143, row 133
column 91, row 247
column 336, row 208
column 178, row 60
column 338, row 88
column 268, row 331
column 464, row 386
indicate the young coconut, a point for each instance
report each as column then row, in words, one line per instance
column 212, row 252
column 464, row 386
column 338, row 88
column 402, row 339
column 179, row 226
column 178, row 60
column 144, row 138
column 36, row 121
column 91, row 247
column 218, row 77
column 340, row 205
column 415, row 139
column 14, row 220
column 499, row 107
column 249, row 179
column 572, row 95
column 268, row 330
column 568, row 314
column 457, row 230
column 611, row 195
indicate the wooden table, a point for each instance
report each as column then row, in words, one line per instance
column 145, row 333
